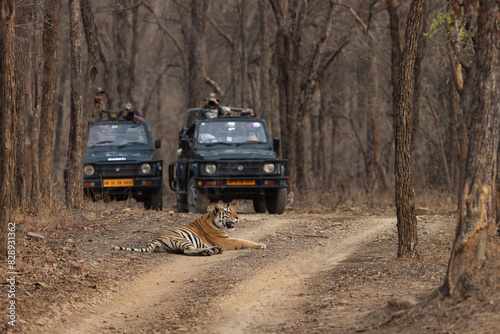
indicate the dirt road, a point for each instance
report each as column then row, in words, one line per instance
column 320, row 272
column 268, row 284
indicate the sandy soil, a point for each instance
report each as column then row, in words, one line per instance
column 322, row 272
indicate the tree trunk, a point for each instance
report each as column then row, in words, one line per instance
column 23, row 19
column 36, row 105
column 93, row 62
column 121, row 58
column 74, row 165
column 197, row 51
column 51, row 24
column 392, row 7
column 416, row 89
column 283, row 63
column 7, row 101
column 243, row 56
column 441, row 142
column 266, row 109
column 453, row 145
column 133, row 53
column 382, row 174
column 58, row 150
column 405, row 202
column 476, row 203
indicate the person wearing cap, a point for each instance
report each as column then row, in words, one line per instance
column 211, row 107
column 99, row 106
column 124, row 112
column 248, row 113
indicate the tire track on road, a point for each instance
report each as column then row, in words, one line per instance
column 267, row 297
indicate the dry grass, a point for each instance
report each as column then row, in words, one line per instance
column 348, row 196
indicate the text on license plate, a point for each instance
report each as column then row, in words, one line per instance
column 118, row 183
column 241, row 183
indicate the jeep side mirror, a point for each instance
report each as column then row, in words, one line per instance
column 157, row 143
column 276, row 144
column 184, row 143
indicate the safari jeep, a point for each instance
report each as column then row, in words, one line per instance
column 227, row 158
column 120, row 163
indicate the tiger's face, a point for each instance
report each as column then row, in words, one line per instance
column 225, row 218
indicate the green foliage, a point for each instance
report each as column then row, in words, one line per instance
column 449, row 20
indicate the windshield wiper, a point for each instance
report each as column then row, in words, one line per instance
column 131, row 143
column 250, row 142
column 219, row 143
column 101, row 142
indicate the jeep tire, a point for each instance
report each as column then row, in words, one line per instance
column 155, row 200
column 196, row 200
column 182, row 205
column 259, row 204
column 276, row 201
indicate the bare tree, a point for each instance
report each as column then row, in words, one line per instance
column 74, row 165
column 23, row 33
column 51, row 24
column 299, row 77
column 196, row 51
column 476, row 201
column 36, row 103
column 7, row 100
column 405, row 198
column 93, row 60
column 266, row 110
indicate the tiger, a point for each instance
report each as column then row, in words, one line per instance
column 205, row 236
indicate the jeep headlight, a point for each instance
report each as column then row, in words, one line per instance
column 268, row 168
column 145, row 168
column 89, row 170
column 210, row 168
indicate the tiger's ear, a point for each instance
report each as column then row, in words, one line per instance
column 217, row 208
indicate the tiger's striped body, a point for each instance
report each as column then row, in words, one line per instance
column 205, row 236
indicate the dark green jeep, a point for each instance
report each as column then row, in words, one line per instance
column 226, row 158
column 120, row 163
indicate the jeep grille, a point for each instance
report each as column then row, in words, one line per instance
column 240, row 169
column 116, row 170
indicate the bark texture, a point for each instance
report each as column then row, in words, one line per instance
column 51, row 24
column 74, row 165
column 7, row 100
column 476, row 201
column 405, row 198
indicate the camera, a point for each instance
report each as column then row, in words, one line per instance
column 130, row 116
column 211, row 103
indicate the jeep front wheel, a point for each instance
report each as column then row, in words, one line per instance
column 276, row 201
column 155, row 200
column 196, row 200
column 259, row 205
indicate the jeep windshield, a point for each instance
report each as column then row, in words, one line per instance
column 225, row 131
column 116, row 134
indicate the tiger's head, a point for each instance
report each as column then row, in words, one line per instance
column 225, row 218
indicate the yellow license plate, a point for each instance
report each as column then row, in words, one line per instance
column 241, row 183
column 118, row 183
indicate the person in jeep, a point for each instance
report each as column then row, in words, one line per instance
column 128, row 112
column 211, row 107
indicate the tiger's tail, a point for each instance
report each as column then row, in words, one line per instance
column 147, row 249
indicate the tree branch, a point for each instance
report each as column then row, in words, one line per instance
column 165, row 30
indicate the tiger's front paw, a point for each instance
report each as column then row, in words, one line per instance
column 207, row 252
column 218, row 250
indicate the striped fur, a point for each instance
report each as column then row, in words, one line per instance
column 205, row 236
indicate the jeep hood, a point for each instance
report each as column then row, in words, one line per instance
column 237, row 153
column 118, row 156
